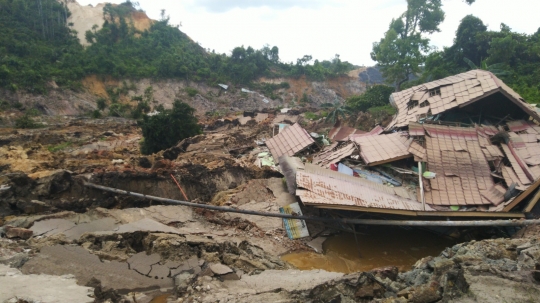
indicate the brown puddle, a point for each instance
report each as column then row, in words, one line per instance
column 380, row 246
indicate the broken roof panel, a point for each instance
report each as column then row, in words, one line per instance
column 462, row 171
column 333, row 155
column 342, row 132
column 418, row 151
column 327, row 190
column 379, row 149
column 289, row 141
column 459, row 90
column 375, row 131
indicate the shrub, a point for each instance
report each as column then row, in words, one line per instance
column 33, row 112
column 96, row 114
column 168, row 127
column 310, row 116
column 101, row 103
column 26, row 122
column 192, row 92
column 377, row 95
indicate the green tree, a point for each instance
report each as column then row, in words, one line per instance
column 377, row 95
column 401, row 51
column 335, row 111
column 165, row 129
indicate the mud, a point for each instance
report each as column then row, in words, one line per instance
column 126, row 249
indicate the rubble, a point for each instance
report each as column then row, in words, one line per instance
column 128, row 249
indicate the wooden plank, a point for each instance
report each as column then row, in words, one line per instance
column 418, row 213
column 363, row 209
column 533, row 202
column 484, row 214
column 522, row 196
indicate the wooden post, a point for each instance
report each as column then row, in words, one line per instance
column 421, row 185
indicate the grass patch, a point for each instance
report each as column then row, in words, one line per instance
column 59, row 147
column 192, row 92
column 381, row 110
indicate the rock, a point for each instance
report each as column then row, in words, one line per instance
column 230, row 276
column 454, row 284
column 374, row 290
column 441, row 266
column 117, row 161
column 220, row 269
column 390, row 272
column 425, row 293
column 17, row 232
column 181, row 282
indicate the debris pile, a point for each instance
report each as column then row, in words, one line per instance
column 428, row 162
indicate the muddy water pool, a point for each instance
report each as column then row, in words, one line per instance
column 378, row 246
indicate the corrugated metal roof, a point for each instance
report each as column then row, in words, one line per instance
column 327, row 190
column 444, row 94
column 289, row 141
column 378, row 149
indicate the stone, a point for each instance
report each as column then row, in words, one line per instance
column 390, row 272
column 426, row 293
column 230, row 276
column 182, row 282
column 220, row 269
column 374, row 290
column 441, row 266
column 17, row 232
column 454, row 284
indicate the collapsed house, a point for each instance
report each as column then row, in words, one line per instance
column 463, row 146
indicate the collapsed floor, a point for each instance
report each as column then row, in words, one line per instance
column 99, row 247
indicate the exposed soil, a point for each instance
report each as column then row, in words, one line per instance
column 127, row 249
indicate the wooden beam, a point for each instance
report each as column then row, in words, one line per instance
column 454, row 214
column 533, row 202
column 522, row 196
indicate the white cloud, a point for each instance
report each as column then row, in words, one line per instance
column 321, row 28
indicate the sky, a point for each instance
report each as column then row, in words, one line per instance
column 321, row 28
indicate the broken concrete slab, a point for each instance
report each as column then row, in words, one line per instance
column 145, row 224
column 75, row 260
column 165, row 214
column 220, row 269
column 40, row 288
column 97, row 225
column 142, row 262
column 51, row 227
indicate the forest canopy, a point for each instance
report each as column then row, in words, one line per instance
column 37, row 46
